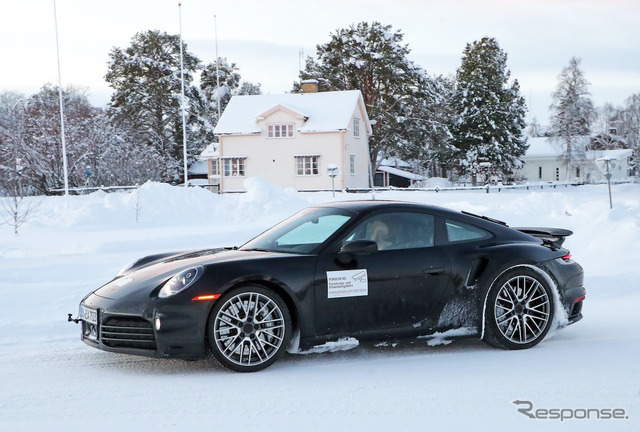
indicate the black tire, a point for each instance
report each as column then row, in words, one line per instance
column 519, row 309
column 249, row 328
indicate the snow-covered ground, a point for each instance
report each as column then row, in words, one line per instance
column 50, row 380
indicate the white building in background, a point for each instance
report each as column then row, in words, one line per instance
column 543, row 163
column 289, row 140
column 397, row 173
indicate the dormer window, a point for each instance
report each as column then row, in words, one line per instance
column 280, row 131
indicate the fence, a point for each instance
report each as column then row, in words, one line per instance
column 215, row 188
column 82, row 190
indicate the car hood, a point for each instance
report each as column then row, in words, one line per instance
column 143, row 280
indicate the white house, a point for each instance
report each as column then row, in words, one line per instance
column 290, row 139
column 543, row 162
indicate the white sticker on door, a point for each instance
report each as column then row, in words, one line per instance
column 347, row 283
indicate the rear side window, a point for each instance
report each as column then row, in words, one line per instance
column 459, row 231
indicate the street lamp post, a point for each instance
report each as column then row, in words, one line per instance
column 332, row 171
column 606, row 165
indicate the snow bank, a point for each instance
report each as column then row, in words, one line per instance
column 160, row 204
column 74, row 245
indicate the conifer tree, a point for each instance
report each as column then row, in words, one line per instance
column 399, row 96
column 490, row 113
column 147, row 98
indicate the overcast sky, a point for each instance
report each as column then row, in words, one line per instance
column 264, row 38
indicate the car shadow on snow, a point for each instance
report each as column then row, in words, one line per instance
column 360, row 352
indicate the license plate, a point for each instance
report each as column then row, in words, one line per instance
column 89, row 315
column 89, row 319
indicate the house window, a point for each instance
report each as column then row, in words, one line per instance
column 578, row 172
column 557, row 174
column 234, row 167
column 307, row 165
column 356, row 127
column 215, row 167
column 539, row 173
column 280, row 131
column 352, row 164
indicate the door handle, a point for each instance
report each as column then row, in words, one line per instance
column 433, row 271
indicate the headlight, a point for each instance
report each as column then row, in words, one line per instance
column 181, row 281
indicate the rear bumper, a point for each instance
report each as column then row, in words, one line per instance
column 570, row 280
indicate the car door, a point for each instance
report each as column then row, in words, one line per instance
column 393, row 288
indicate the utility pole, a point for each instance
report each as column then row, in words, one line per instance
column 184, row 121
column 64, row 144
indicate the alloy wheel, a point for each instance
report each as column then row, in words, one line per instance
column 249, row 329
column 522, row 309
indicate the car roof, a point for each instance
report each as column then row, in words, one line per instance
column 361, row 206
column 364, row 207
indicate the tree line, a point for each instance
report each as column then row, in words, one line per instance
column 137, row 137
column 470, row 124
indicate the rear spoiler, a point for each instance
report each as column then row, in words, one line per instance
column 551, row 237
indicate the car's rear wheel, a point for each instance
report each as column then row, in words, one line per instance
column 519, row 309
column 249, row 328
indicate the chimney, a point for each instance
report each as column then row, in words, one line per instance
column 309, row 86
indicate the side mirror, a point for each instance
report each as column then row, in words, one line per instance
column 356, row 247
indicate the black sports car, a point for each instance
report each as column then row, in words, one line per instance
column 367, row 269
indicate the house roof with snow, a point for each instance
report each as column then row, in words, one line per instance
column 212, row 151
column 394, row 162
column 547, row 147
column 544, row 147
column 401, row 173
column 321, row 112
column 618, row 153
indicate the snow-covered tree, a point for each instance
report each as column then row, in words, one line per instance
column 627, row 123
column 490, row 112
column 12, row 118
column 146, row 79
column 428, row 124
column 535, row 129
column 399, row 96
column 15, row 209
column 117, row 158
column 571, row 113
column 226, row 76
column 42, row 151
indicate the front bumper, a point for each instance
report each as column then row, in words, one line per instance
column 147, row 329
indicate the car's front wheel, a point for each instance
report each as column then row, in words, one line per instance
column 519, row 309
column 249, row 328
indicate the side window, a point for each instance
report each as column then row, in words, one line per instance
column 397, row 230
column 460, row 231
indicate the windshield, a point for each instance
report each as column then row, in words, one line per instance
column 301, row 233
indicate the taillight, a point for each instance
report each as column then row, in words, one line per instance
column 566, row 258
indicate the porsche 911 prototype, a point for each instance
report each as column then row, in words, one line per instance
column 372, row 270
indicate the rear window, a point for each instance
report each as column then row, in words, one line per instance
column 459, row 231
